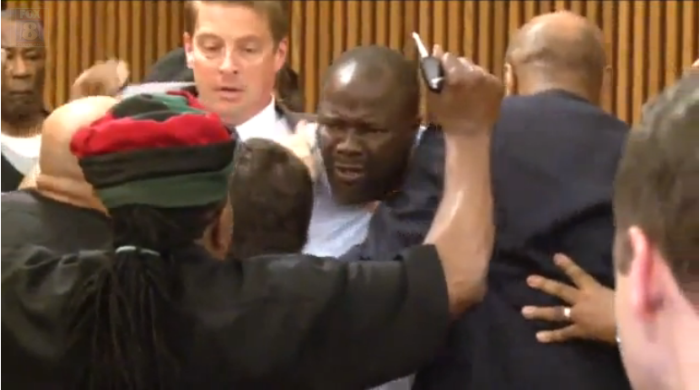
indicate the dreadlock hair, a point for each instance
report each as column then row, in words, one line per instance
column 127, row 316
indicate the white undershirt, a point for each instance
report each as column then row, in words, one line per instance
column 21, row 152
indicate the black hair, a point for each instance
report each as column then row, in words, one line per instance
column 127, row 315
column 289, row 92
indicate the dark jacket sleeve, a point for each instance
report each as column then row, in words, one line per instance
column 36, row 285
column 293, row 322
column 333, row 324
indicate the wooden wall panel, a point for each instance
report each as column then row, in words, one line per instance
column 648, row 42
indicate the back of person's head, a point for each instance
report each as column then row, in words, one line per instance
column 171, row 67
column 559, row 50
column 160, row 164
column 656, row 249
column 288, row 89
column 272, row 197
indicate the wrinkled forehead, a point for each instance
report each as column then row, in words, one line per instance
column 25, row 32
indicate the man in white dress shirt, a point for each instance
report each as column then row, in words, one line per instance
column 235, row 51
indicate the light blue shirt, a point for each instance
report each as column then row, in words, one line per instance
column 334, row 229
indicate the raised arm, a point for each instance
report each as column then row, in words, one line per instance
column 463, row 229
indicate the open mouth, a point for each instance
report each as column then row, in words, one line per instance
column 348, row 174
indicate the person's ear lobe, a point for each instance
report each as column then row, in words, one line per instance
column 644, row 274
column 189, row 49
column 281, row 54
column 217, row 237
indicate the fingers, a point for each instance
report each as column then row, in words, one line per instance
column 574, row 272
column 307, row 130
column 552, row 287
column 303, row 145
column 122, row 71
column 551, row 314
column 455, row 70
column 559, row 335
column 438, row 52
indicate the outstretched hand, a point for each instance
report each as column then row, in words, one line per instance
column 303, row 145
column 102, row 79
column 589, row 313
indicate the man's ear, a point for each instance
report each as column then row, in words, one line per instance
column 281, row 54
column 217, row 237
column 189, row 49
column 510, row 80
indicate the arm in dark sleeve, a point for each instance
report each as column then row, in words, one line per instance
column 330, row 324
column 36, row 285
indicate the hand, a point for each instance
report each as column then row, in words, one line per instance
column 591, row 310
column 303, row 144
column 470, row 99
column 29, row 180
column 102, row 79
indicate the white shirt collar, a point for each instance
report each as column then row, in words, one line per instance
column 265, row 124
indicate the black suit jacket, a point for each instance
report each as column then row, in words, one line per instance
column 554, row 157
column 11, row 177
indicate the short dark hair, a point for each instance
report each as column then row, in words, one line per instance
column 656, row 187
column 288, row 88
column 277, row 13
column 272, row 197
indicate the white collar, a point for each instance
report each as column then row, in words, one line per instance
column 263, row 125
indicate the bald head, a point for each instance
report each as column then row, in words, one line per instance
column 378, row 73
column 560, row 46
column 55, row 157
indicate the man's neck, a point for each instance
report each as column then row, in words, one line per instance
column 539, row 87
column 69, row 191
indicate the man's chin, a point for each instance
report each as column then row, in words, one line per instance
column 350, row 196
column 15, row 113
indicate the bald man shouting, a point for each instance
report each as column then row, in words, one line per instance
column 58, row 210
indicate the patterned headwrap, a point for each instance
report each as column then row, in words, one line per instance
column 161, row 150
